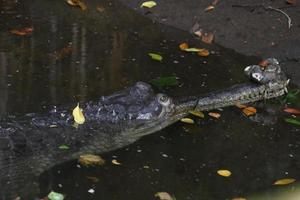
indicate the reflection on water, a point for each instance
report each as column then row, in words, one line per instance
column 73, row 55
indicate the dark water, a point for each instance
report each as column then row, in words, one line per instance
column 73, row 55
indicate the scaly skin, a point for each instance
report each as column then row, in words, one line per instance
column 29, row 145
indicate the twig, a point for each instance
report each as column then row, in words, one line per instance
column 282, row 12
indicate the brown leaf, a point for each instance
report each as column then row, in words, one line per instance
column 21, row 32
column 163, row 196
column 263, row 63
column 208, row 38
column 248, row 111
column 292, row 111
column 284, row 181
column 90, row 160
column 203, row 53
column 240, row 105
column 209, row 8
column 293, row 2
column 183, row 46
column 78, row 3
column 63, row 52
column 214, row 114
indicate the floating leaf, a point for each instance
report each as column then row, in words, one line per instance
column 193, row 49
column 148, row 4
column 240, row 105
column 284, row 181
column 224, row 172
column 197, row 113
column 90, row 160
column 115, row 162
column 214, row 114
column 78, row 3
column 292, row 121
column 21, row 32
column 64, row 147
column 100, row 8
column 248, row 111
column 187, row 120
column 163, row 196
column 209, row 8
column 155, row 56
column 203, row 53
column 78, row 115
column 183, row 46
column 292, row 111
column 238, row 198
column 55, row 196
column 165, row 81
column 207, row 38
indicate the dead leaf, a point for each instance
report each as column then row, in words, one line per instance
column 292, row 111
column 183, row 46
column 207, row 38
column 197, row 113
column 198, row 33
column 203, row 53
column 22, row 32
column 293, row 2
column 93, row 179
column 209, row 8
column 148, row 4
column 115, row 162
column 78, row 3
column 78, row 115
column 63, row 52
column 284, row 181
column 238, row 198
column 240, row 105
column 163, row 196
column 248, row 111
column 214, row 114
column 187, row 120
column 91, row 160
column 224, row 172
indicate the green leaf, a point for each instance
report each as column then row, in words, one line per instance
column 64, row 147
column 55, row 196
column 155, row 56
column 165, row 81
column 292, row 121
column 148, row 4
column 193, row 50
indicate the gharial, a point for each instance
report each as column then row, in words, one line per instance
column 28, row 146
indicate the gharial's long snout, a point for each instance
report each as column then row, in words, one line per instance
column 266, row 82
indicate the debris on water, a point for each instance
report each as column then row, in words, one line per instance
column 55, row 196
column 292, row 111
column 209, row 8
column 77, row 3
column 214, row 115
column 22, row 32
column 148, row 4
column 91, row 160
column 224, row 172
column 115, row 162
column 238, row 198
column 187, row 120
column 164, row 155
column 292, row 121
column 64, row 147
column 248, row 111
column 155, row 56
column 93, row 179
column 164, row 196
column 78, row 115
column 284, row 181
column 197, row 113
column 207, row 38
column 91, row 191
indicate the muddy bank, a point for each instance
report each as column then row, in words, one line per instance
column 250, row 27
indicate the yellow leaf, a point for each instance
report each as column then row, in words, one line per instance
column 203, row 53
column 197, row 113
column 214, row 114
column 78, row 115
column 115, row 162
column 148, row 4
column 239, row 198
column 224, row 172
column 90, row 159
column 183, row 46
column 187, row 120
column 284, row 181
column 163, row 196
column 248, row 111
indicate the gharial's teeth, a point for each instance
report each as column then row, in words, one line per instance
column 286, row 90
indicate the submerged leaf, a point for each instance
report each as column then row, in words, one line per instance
column 78, row 115
column 187, row 120
column 165, row 81
column 91, row 160
column 284, row 181
column 163, row 196
column 224, row 172
column 292, row 111
column 55, row 196
column 197, row 113
column 155, row 56
column 248, row 111
column 148, row 4
column 292, row 121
